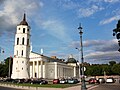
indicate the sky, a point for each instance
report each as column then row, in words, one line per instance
column 54, row 27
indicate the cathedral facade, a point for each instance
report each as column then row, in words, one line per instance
column 28, row 64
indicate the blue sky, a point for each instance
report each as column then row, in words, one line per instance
column 54, row 26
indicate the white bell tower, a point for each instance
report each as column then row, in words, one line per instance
column 20, row 68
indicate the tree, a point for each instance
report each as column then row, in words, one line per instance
column 112, row 63
column 93, row 70
column 116, row 69
column 4, row 68
column 107, row 69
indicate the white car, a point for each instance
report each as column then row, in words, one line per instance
column 110, row 80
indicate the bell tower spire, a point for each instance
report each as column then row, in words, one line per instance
column 24, row 22
column 24, row 17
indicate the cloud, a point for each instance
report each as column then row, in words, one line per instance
column 105, row 50
column 86, row 12
column 103, row 56
column 99, row 49
column 111, row 1
column 69, row 4
column 12, row 10
column 109, row 20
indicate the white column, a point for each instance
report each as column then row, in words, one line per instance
column 74, row 71
column 41, row 65
column 44, row 71
column 55, row 70
column 33, row 69
column 37, row 69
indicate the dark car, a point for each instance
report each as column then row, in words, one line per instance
column 37, row 81
column 56, row 81
column 27, row 80
column 18, row 81
column 92, row 81
column 8, row 80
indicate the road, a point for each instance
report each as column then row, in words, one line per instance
column 7, row 88
column 112, row 86
column 109, row 86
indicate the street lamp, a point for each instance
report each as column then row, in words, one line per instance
column 1, row 50
column 83, row 85
column 9, row 73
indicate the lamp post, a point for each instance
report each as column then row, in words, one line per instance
column 1, row 50
column 83, row 85
column 9, row 73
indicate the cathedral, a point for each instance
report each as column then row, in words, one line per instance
column 28, row 64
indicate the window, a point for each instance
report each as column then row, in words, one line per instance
column 28, row 30
column 27, row 41
column 18, row 28
column 22, row 61
column 22, row 68
column 22, row 53
column 23, row 30
column 23, row 41
column 17, row 62
column 17, row 41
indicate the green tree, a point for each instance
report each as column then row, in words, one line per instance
column 116, row 69
column 93, row 70
column 106, row 68
column 112, row 63
column 4, row 67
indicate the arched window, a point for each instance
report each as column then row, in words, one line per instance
column 17, row 41
column 23, row 41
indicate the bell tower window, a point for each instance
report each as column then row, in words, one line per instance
column 27, row 41
column 22, row 53
column 23, row 30
column 23, row 41
column 17, row 41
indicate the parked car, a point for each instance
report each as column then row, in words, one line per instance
column 63, row 81
column 101, row 80
column 56, row 81
column 18, row 81
column 27, row 80
column 92, row 81
column 72, row 81
column 38, row 81
column 8, row 80
column 110, row 80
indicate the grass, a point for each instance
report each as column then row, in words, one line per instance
column 46, row 85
